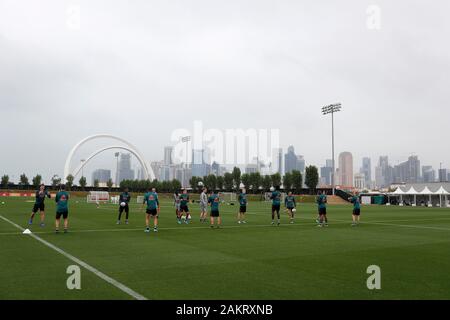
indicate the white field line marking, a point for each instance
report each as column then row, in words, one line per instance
column 250, row 226
column 403, row 225
column 98, row 273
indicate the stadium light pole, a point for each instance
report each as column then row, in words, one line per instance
column 332, row 108
column 117, row 154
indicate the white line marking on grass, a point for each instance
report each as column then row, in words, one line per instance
column 403, row 225
column 98, row 273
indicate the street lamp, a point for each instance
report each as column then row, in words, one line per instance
column 332, row 108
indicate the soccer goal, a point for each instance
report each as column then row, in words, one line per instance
column 228, row 196
column 267, row 196
column 115, row 199
column 98, row 196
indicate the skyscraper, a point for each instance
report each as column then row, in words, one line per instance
column 384, row 173
column 102, row 175
column 168, row 160
column 293, row 161
column 428, row 174
column 326, row 172
column 366, row 170
column 408, row 171
column 443, row 175
column 346, row 169
column 125, row 171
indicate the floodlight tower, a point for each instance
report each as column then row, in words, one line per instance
column 332, row 108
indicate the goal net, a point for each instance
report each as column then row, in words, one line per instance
column 115, row 199
column 267, row 196
column 228, row 196
column 140, row 199
column 97, row 196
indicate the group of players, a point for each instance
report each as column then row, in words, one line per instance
column 181, row 202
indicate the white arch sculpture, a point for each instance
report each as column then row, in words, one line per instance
column 148, row 172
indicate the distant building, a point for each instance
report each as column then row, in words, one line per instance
column 443, row 175
column 346, row 169
column 408, row 171
column 278, row 152
column 251, row 168
column 102, row 175
column 366, row 170
column 326, row 172
column 168, row 159
column 428, row 174
column 384, row 173
column 125, row 171
column 360, row 181
column 293, row 162
column 199, row 167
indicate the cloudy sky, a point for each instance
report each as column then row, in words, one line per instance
column 142, row 69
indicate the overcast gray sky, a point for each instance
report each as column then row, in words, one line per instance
column 142, row 69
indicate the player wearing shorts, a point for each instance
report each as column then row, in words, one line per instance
column 322, row 205
column 214, row 202
column 176, row 203
column 62, row 208
column 242, row 206
column 203, row 205
column 151, row 199
column 290, row 204
column 356, row 209
column 184, row 209
column 124, row 197
column 39, row 204
column 276, row 204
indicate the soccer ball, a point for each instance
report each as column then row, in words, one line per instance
column 272, row 189
column 294, row 210
column 123, row 204
column 200, row 184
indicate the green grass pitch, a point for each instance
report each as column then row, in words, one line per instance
column 252, row 261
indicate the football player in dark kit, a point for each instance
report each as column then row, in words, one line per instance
column 276, row 203
column 124, row 200
column 62, row 209
column 39, row 205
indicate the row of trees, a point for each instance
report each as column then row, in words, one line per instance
column 231, row 181
column 255, row 182
column 55, row 182
column 144, row 185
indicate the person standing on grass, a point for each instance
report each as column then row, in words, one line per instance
column 39, row 204
column 322, row 205
column 62, row 208
column 214, row 201
column 184, row 201
column 176, row 203
column 291, row 205
column 356, row 209
column 152, row 201
column 124, row 198
column 276, row 204
column 203, row 205
column 242, row 206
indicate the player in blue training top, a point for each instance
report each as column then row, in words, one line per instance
column 151, row 199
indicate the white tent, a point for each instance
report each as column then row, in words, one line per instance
column 442, row 192
column 398, row 192
column 427, row 192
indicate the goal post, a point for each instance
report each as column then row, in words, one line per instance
column 97, row 196
column 228, row 196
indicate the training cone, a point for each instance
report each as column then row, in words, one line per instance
column 27, row 231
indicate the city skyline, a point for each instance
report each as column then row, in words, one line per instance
column 266, row 70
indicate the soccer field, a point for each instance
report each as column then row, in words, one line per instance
column 252, row 261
